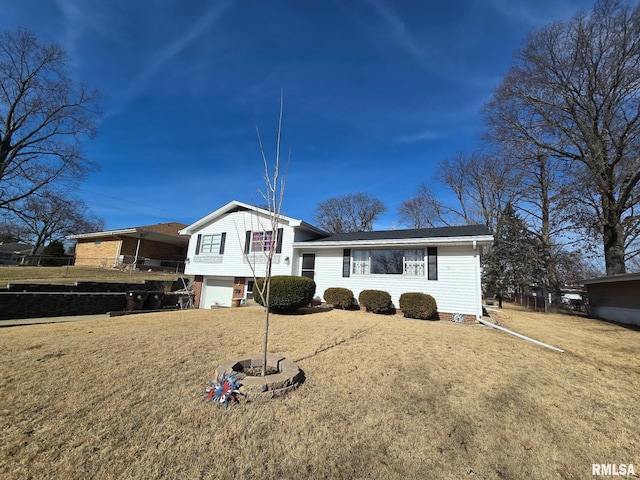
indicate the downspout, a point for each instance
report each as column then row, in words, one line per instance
column 519, row 335
column 478, row 282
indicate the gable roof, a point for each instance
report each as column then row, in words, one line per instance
column 438, row 235
column 236, row 206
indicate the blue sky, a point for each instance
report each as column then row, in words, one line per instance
column 376, row 94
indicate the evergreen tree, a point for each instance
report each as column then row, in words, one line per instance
column 511, row 264
column 54, row 254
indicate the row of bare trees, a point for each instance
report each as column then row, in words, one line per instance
column 44, row 117
column 561, row 161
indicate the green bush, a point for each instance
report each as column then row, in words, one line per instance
column 376, row 301
column 339, row 297
column 287, row 293
column 418, row 305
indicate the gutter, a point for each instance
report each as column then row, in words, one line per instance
column 405, row 242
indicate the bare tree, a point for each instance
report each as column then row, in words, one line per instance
column 482, row 186
column 422, row 210
column 273, row 196
column 544, row 197
column 43, row 117
column 355, row 212
column 574, row 94
column 50, row 216
column 9, row 231
column 546, row 193
column 573, row 266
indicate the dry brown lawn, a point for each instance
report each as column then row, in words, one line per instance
column 17, row 274
column 385, row 397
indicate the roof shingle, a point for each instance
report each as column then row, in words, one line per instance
column 459, row 231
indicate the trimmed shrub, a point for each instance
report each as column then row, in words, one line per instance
column 418, row 305
column 339, row 297
column 287, row 294
column 376, row 301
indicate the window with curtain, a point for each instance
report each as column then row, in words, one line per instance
column 261, row 241
column 389, row 262
column 414, row 263
column 360, row 262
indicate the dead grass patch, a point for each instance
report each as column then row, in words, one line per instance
column 385, row 397
column 25, row 274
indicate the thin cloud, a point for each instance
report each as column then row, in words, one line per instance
column 75, row 24
column 398, row 29
column 392, row 26
column 537, row 14
column 78, row 18
column 419, row 137
column 166, row 54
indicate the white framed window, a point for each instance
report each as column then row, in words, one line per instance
column 389, row 262
column 361, row 262
column 414, row 263
column 262, row 241
column 211, row 243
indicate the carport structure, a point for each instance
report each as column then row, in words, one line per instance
column 153, row 246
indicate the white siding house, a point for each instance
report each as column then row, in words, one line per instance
column 219, row 241
column 443, row 262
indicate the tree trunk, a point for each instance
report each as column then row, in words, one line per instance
column 267, row 290
column 550, row 272
column 614, row 249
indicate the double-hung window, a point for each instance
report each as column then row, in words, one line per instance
column 361, row 264
column 261, row 241
column 211, row 243
column 410, row 262
column 413, row 263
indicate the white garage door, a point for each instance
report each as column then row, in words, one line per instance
column 217, row 292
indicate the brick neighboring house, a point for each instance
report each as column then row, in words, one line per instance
column 152, row 246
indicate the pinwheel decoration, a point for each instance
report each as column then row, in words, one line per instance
column 225, row 389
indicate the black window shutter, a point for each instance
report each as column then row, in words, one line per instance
column 222, row 239
column 279, row 240
column 346, row 262
column 247, row 242
column 432, row 263
column 198, row 244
